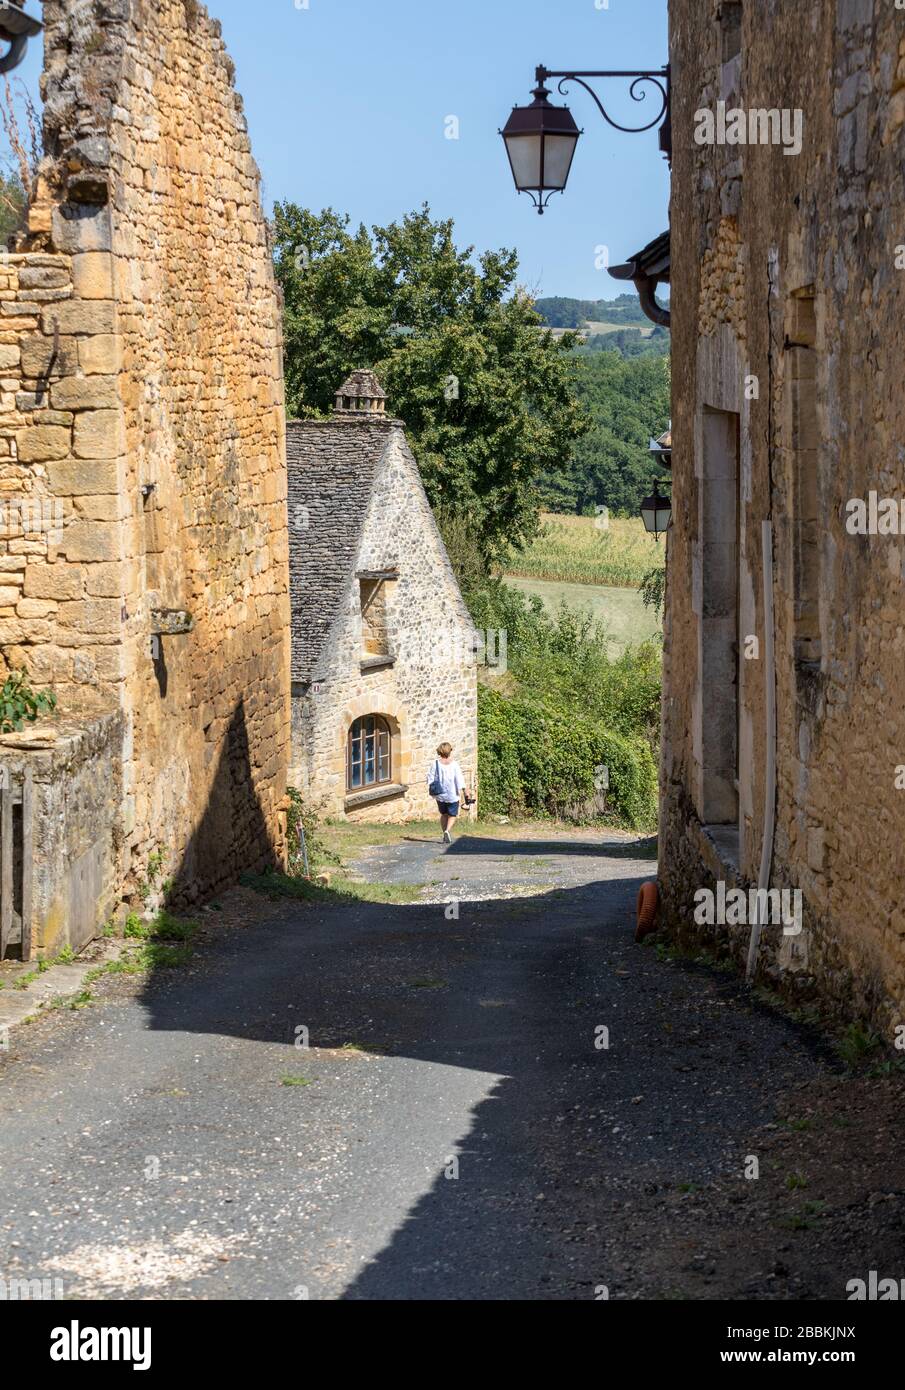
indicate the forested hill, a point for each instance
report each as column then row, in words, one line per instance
column 628, row 400
column 559, row 312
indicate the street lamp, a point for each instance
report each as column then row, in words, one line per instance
column 541, row 138
column 16, row 28
column 656, row 512
column 540, row 142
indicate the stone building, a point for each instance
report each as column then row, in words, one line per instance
column 383, row 649
column 788, row 325
column 144, row 552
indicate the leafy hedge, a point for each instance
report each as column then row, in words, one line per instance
column 536, row 758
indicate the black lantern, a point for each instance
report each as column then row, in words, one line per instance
column 656, row 512
column 540, row 142
column 16, row 28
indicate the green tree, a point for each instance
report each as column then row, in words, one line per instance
column 12, row 206
column 628, row 400
column 488, row 399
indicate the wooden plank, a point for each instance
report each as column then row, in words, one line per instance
column 6, row 865
column 28, row 802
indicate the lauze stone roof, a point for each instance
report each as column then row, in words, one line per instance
column 332, row 464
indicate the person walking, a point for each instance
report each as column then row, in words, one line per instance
column 446, row 784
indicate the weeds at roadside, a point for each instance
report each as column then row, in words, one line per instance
column 805, row 1219
column 343, row 889
column 893, row 1067
column 857, row 1043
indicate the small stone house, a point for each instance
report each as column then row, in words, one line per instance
column 383, row 649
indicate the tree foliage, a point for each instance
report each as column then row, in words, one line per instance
column 488, row 400
column 565, row 708
column 628, row 401
column 12, row 206
column 538, row 758
column 629, row 342
column 561, row 312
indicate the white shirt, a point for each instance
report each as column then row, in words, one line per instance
column 449, row 775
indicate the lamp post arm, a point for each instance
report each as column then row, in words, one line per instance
column 659, row 77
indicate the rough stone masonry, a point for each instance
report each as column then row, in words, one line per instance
column 141, row 417
column 788, row 306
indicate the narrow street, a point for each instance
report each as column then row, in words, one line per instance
column 171, row 1142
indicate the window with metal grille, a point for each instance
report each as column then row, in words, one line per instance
column 370, row 753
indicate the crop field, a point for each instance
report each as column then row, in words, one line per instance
column 577, row 550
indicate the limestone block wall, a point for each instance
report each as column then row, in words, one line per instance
column 67, row 836
column 788, row 306
column 56, row 616
column 141, row 361
column 429, row 694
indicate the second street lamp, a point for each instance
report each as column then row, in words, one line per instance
column 656, row 513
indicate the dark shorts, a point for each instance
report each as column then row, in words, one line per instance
column 448, row 808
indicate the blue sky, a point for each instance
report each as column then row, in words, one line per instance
column 347, row 99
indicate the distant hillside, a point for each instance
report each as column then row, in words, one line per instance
column 652, row 341
column 623, row 311
column 628, row 400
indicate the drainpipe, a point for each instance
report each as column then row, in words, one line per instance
column 766, row 853
column 647, row 294
column 16, row 28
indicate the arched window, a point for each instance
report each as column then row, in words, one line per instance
column 370, row 762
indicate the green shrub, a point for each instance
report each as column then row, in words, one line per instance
column 308, row 818
column 19, row 704
column 653, row 588
column 536, row 758
column 563, row 709
column 565, row 661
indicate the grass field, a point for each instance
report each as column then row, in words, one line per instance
column 576, row 550
column 622, row 611
column 602, row 327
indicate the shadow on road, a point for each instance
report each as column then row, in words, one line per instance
column 536, row 848
column 494, row 1158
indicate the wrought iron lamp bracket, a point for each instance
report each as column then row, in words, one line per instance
column 658, row 78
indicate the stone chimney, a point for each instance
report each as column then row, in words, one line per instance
column 362, row 396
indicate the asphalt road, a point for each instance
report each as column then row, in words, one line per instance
column 456, row 1131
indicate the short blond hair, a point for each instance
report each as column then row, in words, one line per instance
column 445, row 750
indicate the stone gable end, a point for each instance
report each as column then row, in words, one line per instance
column 429, row 692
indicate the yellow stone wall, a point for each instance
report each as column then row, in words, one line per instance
column 141, row 404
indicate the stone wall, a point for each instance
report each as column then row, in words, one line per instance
column 67, row 836
column 788, row 319
column 142, row 399
column 429, row 693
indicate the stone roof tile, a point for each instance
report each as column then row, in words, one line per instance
column 332, row 465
